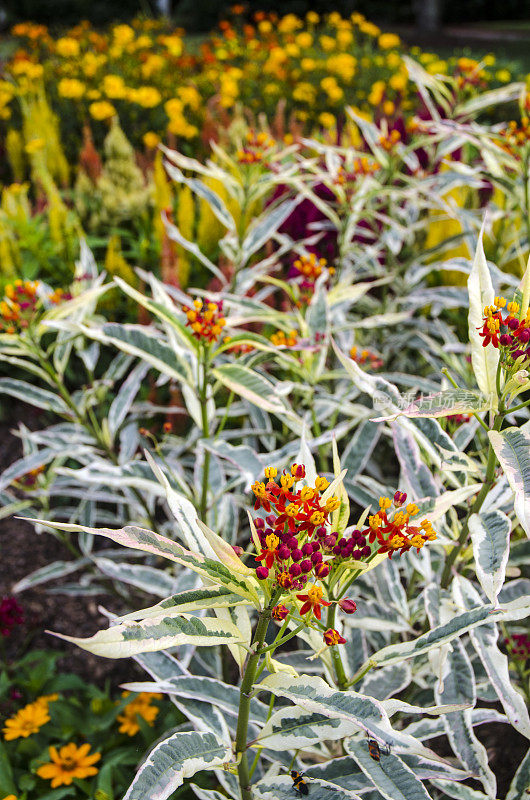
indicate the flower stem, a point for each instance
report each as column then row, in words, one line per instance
column 244, row 702
column 340, row 675
column 477, row 505
column 203, row 396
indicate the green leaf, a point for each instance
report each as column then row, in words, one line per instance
column 156, row 633
column 390, row 776
column 490, row 535
column 512, row 448
column 178, row 757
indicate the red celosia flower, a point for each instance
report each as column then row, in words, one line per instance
column 11, row 615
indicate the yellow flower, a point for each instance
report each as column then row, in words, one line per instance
column 151, row 139
column 398, row 82
column 139, row 707
column 10, row 797
column 304, row 92
column 503, row 75
column 146, row 96
column 102, row 110
column 123, row 34
column 26, row 721
column 173, row 45
column 327, row 120
column 67, row 47
column 114, row 87
column 312, row 18
column 34, row 145
column 71, row 88
column 327, row 43
column 70, row 762
column 190, row 97
column 289, row 23
column 388, row 40
column 304, row 40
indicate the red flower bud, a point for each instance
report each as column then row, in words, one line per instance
column 262, row 573
column 400, row 498
column 322, row 571
column 237, row 550
column 332, row 637
column 348, row 605
column 279, row 612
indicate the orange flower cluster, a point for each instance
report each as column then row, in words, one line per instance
column 365, row 357
column 205, row 320
column 514, row 137
column 396, row 535
column 291, row 535
column 361, row 166
column 281, row 339
column 388, row 141
column 506, row 331
column 310, row 266
column 18, row 305
column 256, row 147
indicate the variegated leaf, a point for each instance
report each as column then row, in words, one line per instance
column 149, row 542
column 185, row 602
column 390, row 775
column 178, row 757
column 459, row 687
column 315, row 695
column 490, row 535
column 156, row 633
column 512, row 448
column 484, row 640
column 282, row 789
column 483, row 359
column 294, row 728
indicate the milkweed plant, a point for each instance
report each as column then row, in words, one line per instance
column 316, row 484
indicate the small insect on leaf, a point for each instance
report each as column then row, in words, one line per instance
column 376, row 751
column 299, row 782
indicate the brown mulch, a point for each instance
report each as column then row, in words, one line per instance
column 22, row 551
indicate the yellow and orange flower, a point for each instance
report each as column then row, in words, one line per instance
column 68, row 763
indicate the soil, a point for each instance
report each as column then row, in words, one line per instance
column 23, row 551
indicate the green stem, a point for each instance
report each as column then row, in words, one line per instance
column 284, row 639
column 203, row 396
column 340, row 674
column 244, row 702
column 477, row 505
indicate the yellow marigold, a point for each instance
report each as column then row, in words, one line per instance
column 28, row 69
column 369, row 28
column 327, row 43
column 146, row 96
column 102, row 110
column 398, row 82
column 312, row 17
column 304, row 40
column 503, row 75
column 190, row 97
column 153, row 64
column 326, row 119
column 388, row 40
column 139, row 707
column 304, row 92
column 67, row 47
column 343, row 65
column 173, row 44
column 114, row 87
column 289, row 24
column 123, row 34
column 71, row 88
column 26, row 721
column 151, row 139
column 68, row 763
